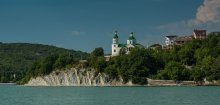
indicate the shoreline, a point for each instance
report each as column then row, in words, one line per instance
column 8, row 84
column 150, row 83
column 147, row 85
column 168, row 85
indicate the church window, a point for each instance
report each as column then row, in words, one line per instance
column 114, row 50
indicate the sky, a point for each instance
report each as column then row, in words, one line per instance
column 87, row 24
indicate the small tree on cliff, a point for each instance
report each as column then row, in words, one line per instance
column 98, row 52
column 97, row 59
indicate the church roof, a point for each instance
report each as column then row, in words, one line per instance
column 131, row 37
column 115, row 35
column 171, row 36
column 122, row 45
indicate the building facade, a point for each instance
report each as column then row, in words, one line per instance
column 170, row 40
column 199, row 34
column 117, row 47
column 175, row 40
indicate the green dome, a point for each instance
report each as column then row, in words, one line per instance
column 116, row 35
column 131, row 37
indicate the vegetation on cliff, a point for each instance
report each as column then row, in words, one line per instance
column 195, row 60
column 16, row 58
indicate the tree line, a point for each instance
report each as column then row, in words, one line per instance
column 196, row 60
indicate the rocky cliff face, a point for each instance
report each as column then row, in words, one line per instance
column 76, row 77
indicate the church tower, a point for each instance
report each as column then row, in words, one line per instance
column 115, row 38
column 131, row 40
column 115, row 45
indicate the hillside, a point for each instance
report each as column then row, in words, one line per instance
column 196, row 60
column 16, row 58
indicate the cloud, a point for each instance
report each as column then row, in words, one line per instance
column 207, row 17
column 209, row 11
column 77, row 33
column 177, row 27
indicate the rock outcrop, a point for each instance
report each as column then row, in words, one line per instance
column 76, row 77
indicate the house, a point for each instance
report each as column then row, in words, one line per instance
column 175, row 40
column 199, row 34
column 183, row 39
column 170, row 40
column 156, row 46
column 117, row 47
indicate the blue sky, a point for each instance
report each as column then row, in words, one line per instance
column 87, row 24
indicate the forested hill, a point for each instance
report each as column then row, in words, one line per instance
column 196, row 60
column 16, row 58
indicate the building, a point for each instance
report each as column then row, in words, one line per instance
column 170, row 40
column 156, row 46
column 183, row 39
column 199, row 34
column 117, row 47
column 175, row 40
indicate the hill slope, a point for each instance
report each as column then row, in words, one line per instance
column 16, row 58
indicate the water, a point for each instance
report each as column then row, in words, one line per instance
column 20, row 95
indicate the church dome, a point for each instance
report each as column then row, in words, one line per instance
column 116, row 35
column 131, row 37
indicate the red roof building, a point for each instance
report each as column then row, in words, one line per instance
column 199, row 34
column 183, row 39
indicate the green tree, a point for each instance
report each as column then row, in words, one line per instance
column 111, row 70
column 98, row 52
column 122, row 51
column 100, row 64
column 197, row 74
column 176, row 71
column 186, row 56
column 163, row 75
column 206, row 65
column 215, row 69
column 201, row 53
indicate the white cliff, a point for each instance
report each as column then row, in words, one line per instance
column 76, row 77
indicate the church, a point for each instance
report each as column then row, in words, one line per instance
column 117, row 47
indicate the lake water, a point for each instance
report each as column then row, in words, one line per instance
column 20, row 95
